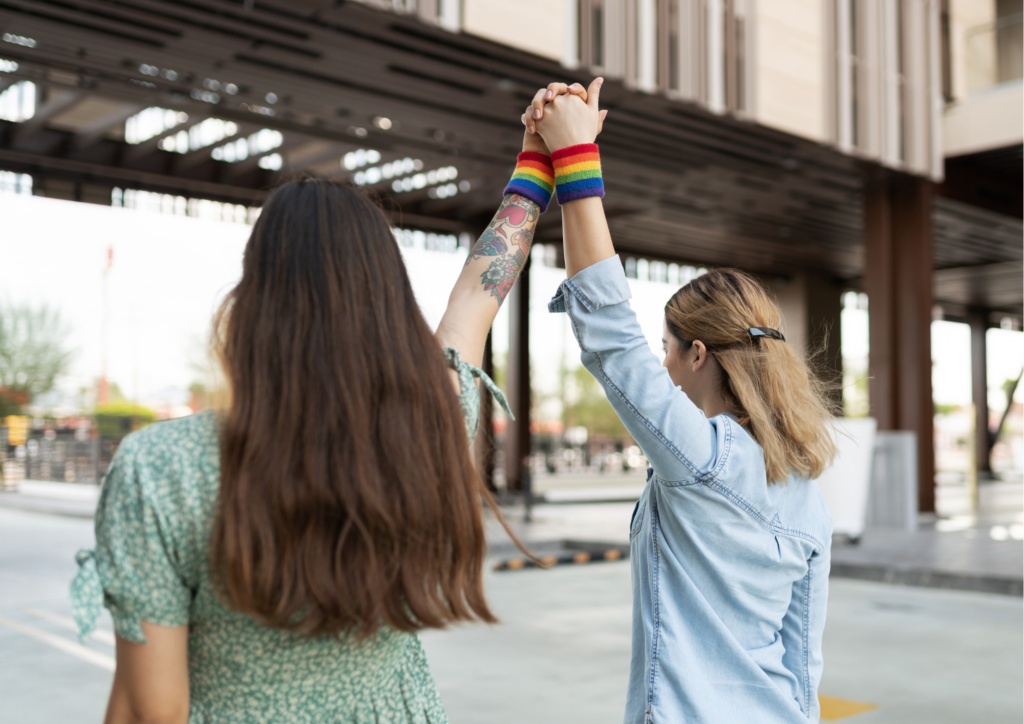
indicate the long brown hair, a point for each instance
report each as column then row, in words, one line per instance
column 772, row 391
column 347, row 496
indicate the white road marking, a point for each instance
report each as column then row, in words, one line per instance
column 62, row 644
column 101, row 634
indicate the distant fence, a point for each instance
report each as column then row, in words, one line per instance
column 75, row 450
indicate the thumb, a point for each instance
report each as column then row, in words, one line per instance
column 594, row 92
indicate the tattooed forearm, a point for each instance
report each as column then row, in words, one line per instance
column 502, row 273
column 507, row 240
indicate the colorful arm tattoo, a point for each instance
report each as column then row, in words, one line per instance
column 507, row 241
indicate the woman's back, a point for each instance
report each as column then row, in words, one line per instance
column 273, row 563
column 721, row 562
column 730, row 573
column 165, row 482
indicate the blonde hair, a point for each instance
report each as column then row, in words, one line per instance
column 771, row 390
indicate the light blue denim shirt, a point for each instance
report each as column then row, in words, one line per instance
column 730, row 574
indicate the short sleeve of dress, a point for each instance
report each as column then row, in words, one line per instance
column 469, row 397
column 133, row 569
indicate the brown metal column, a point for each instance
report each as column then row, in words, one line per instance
column 517, row 435
column 878, row 283
column 913, row 263
column 898, row 280
column 978, row 319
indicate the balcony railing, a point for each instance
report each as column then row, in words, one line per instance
column 994, row 53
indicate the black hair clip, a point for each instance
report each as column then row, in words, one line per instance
column 756, row 332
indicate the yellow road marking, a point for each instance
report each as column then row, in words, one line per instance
column 833, row 708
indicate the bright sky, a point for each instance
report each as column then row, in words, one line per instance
column 170, row 273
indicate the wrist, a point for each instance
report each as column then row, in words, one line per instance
column 577, row 172
column 533, row 143
column 534, row 178
column 560, row 144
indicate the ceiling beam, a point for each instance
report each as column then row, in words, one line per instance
column 35, row 163
column 56, row 103
column 95, row 131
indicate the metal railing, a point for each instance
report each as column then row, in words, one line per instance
column 64, row 455
column 994, row 53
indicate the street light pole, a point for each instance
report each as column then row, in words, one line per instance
column 103, row 393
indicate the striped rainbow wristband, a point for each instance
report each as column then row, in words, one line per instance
column 533, row 178
column 577, row 172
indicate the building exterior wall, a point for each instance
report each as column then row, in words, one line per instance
column 536, row 26
column 985, row 121
column 972, row 61
column 861, row 75
column 986, row 103
column 790, row 67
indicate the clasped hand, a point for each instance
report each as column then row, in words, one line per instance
column 563, row 115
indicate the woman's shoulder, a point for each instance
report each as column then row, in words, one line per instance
column 175, row 459
column 791, row 506
column 173, row 438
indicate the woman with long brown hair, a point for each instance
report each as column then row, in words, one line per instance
column 731, row 540
column 274, row 562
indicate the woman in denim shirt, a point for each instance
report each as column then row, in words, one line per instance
column 731, row 538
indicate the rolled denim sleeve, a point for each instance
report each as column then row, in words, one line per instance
column 673, row 433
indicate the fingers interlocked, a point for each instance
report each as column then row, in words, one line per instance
column 535, row 111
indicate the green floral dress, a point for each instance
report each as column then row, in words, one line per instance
column 150, row 563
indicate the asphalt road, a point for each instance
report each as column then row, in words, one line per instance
column 561, row 651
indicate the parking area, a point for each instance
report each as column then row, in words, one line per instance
column 893, row 653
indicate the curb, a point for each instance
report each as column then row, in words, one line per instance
column 47, row 506
column 576, row 553
column 930, row 579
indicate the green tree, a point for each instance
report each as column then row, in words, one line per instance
column 589, row 407
column 120, row 418
column 33, row 354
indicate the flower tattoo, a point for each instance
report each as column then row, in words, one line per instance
column 501, row 275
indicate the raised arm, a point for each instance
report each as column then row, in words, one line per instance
column 673, row 433
column 491, row 269
column 499, row 255
column 566, row 121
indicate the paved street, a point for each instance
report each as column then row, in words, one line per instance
column 561, row 652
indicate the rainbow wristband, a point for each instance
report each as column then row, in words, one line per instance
column 577, row 172
column 533, row 178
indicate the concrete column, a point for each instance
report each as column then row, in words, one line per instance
column 978, row 319
column 811, row 309
column 715, row 56
column 647, row 45
column 898, row 280
column 517, row 435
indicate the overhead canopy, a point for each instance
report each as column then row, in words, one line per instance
column 683, row 184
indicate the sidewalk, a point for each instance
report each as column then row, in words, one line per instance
column 964, row 552
column 69, row 499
